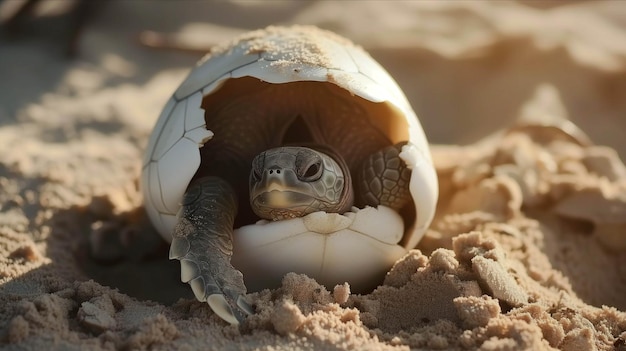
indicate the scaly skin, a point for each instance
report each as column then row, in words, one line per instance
column 203, row 242
column 384, row 179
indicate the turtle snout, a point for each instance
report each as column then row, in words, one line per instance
column 277, row 178
column 274, row 173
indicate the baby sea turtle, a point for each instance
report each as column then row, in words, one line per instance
column 288, row 149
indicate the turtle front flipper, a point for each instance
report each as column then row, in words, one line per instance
column 203, row 242
column 384, row 179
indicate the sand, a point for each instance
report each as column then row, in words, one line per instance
column 526, row 251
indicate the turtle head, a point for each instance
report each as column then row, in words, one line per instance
column 292, row 181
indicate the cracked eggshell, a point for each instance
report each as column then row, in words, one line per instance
column 281, row 55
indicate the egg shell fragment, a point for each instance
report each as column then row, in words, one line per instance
column 319, row 245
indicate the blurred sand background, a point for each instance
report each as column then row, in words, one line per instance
column 531, row 229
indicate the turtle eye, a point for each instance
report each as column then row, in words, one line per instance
column 308, row 165
column 313, row 172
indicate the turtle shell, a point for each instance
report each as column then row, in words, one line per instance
column 332, row 248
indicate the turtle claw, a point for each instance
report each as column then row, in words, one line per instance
column 179, row 248
column 198, row 288
column 244, row 305
column 216, row 282
column 233, row 311
column 188, row 270
column 202, row 242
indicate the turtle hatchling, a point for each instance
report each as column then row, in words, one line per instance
column 288, row 149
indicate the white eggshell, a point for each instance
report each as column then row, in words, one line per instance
column 213, row 68
column 354, row 247
column 173, row 131
column 158, row 130
column 331, row 248
column 194, row 114
column 174, row 164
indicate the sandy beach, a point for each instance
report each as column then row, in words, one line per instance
column 523, row 103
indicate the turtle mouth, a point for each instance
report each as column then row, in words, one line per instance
column 282, row 199
column 277, row 187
